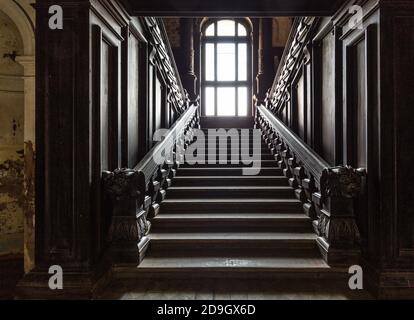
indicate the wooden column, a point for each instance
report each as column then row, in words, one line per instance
column 265, row 75
column 63, row 155
column 187, row 44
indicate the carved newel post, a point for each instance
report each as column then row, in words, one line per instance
column 337, row 229
column 129, row 227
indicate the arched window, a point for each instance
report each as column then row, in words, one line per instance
column 226, row 80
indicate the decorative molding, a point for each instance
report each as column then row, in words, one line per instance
column 295, row 54
column 162, row 56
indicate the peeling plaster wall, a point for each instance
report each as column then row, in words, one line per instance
column 11, row 139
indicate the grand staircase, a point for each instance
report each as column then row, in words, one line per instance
column 224, row 235
column 217, row 222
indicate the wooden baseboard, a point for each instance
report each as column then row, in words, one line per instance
column 389, row 284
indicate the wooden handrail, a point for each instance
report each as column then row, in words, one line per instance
column 171, row 54
column 311, row 161
column 284, row 55
column 163, row 55
column 148, row 165
column 327, row 194
column 137, row 193
column 293, row 58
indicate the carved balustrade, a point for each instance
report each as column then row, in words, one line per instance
column 137, row 193
column 327, row 193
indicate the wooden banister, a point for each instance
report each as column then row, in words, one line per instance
column 293, row 55
column 327, row 193
column 311, row 161
column 137, row 193
column 164, row 56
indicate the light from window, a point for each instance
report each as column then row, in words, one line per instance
column 210, row 103
column 226, row 102
column 242, row 101
column 241, row 30
column 210, row 30
column 226, row 28
column 242, row 63
column 210, row 62
column 226, row 57
column 226, row 70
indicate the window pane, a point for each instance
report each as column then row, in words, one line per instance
column 226, row 28
column 242, row 62
column 226, row 101
column 210, row 30
column 209, row 98
column 241, row 30
column 209, row 67
column 226, row 60
column 242, row 101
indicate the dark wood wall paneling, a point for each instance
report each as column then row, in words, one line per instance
column 62, row 163
column 327, row 70
column 107, row 126
column 359, row 88
column 361, row 97
column 93, row 99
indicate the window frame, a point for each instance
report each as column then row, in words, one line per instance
column 236, row 40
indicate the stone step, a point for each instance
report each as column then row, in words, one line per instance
column 232, row 243
column 205, row 205
column 228, row 143
column 283, row 267
column 197, row 181
column 218, row 130
column 194, row 171
column 236, row 155
column 231, row 222
column 250, row 151
column 230, row 192
column 228, row 164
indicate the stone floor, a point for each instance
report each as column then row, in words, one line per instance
column 227, row 289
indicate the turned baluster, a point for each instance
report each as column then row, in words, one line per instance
column 280, row 147
column 285, row 160
column 291, row 167
column 299, row 174
column 153, row 188
column 308, row 186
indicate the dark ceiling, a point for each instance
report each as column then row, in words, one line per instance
column 233, row 7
